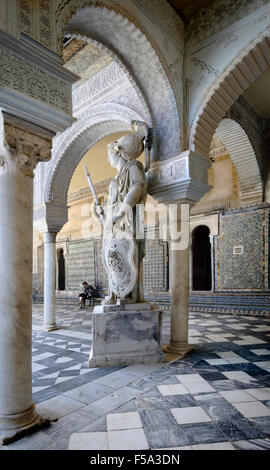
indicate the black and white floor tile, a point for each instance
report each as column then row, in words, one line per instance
column 216, row 398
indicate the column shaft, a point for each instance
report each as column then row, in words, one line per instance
column 17, row 411
column 180, row 286
column 49, row 281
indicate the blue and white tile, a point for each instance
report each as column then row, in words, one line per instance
column 261, row 352
column 265, row 365
column 194, row 414
column 237, row 396
column 252, row 444
column 254, row 409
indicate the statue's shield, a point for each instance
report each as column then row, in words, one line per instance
column 118, row 260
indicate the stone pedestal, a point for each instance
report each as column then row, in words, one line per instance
column 126, row 334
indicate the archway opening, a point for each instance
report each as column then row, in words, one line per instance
column 61, row 270
column 201, row 259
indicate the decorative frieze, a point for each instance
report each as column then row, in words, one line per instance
column 29, row 79
column 45, row 23
column 106, row 82
column 24, row 17
column 234, row 303
column 35, row 18
column 33, row 84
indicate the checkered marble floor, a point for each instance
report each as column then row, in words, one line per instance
column 217, row 397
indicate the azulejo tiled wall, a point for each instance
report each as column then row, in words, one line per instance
column 84, row 262
column 242, row 251
column 80, row 263
column 155, row 266
column 241, row 261
column 237, row 303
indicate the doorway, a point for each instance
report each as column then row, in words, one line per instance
column 61, row 270
column 201, row 259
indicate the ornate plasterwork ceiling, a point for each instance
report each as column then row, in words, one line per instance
column 84, row 59
column 189, row 8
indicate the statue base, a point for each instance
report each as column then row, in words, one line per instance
column 126, row 334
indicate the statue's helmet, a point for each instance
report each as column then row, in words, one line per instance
column 130, row 146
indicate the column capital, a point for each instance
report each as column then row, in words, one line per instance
column 50, row 217
column 22, row 146
column 49, row 237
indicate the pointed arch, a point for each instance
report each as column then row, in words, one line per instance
column 249, row 65
column 236, row 141
column 71, row 146
column 93, row 21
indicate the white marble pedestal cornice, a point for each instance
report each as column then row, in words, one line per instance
column 21, row 148
column 182, row 178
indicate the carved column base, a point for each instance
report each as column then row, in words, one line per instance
column 50, row 327
column 15, row 426
column 181, row 350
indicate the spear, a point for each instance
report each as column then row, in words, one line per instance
column 93, row 192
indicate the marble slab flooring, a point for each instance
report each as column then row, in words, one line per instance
column 216, row 398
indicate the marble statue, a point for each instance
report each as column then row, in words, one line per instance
column 122, row 252
column 126, row 330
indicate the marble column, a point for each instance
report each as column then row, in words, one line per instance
column 49, row 281
column 211, row 239
column 19, row 153
column 179, row 278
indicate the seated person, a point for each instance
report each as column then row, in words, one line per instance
column 89, row 291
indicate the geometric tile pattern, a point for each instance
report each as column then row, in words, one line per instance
column 217, row 397
column 155, row 265
column 244, row 271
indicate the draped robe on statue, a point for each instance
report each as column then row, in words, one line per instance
column 122, row 253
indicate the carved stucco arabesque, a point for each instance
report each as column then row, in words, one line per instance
column 87, row 62
column 111, row 84
column 27, row 78
column 35, row 18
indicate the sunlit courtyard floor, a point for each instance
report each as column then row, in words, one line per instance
column 217, row 397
